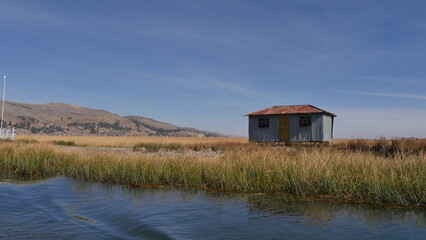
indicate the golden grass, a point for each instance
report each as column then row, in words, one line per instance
column 340, row 174
column 126, row 141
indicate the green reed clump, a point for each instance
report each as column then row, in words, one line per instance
column 155, row 147
column 64, row 143
column 147, row 147
column 31, row 160
column 342, row 175
column 26, row 141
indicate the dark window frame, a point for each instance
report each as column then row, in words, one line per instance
column 305, row 121
column 263, row 122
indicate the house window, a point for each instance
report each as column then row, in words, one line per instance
column 263, row 122
column 305, row 121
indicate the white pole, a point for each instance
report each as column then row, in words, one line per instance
column 4, row 95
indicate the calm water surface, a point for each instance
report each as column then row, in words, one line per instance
column 63, row 208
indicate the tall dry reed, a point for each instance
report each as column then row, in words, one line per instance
column 304, row 172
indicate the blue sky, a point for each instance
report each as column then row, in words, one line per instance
column 205, row 64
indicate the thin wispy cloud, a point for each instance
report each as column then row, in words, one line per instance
column 395, row 95
column 193, row 80
column 30, row 19
column 26, row 18
column 412, row 96
column 408, row 81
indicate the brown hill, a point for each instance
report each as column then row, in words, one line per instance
column 66, row 119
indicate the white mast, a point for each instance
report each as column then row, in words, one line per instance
column 4, row 95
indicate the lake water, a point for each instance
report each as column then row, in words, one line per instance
column 63, row 208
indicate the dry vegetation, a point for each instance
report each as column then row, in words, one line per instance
column 127, row 142
column 384, row 146
column 384, row 172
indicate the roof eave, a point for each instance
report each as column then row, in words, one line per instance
column 327, row 113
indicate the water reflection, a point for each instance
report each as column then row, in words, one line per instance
column 70, row 209
column 319, row 212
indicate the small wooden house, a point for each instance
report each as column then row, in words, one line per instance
column 293, row 123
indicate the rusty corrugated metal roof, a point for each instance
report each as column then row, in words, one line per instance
column 289, row 109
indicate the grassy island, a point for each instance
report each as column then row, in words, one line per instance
column 381, row 172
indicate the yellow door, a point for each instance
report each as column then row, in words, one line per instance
column 284, row 128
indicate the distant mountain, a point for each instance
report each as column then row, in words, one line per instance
column 66, row 119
